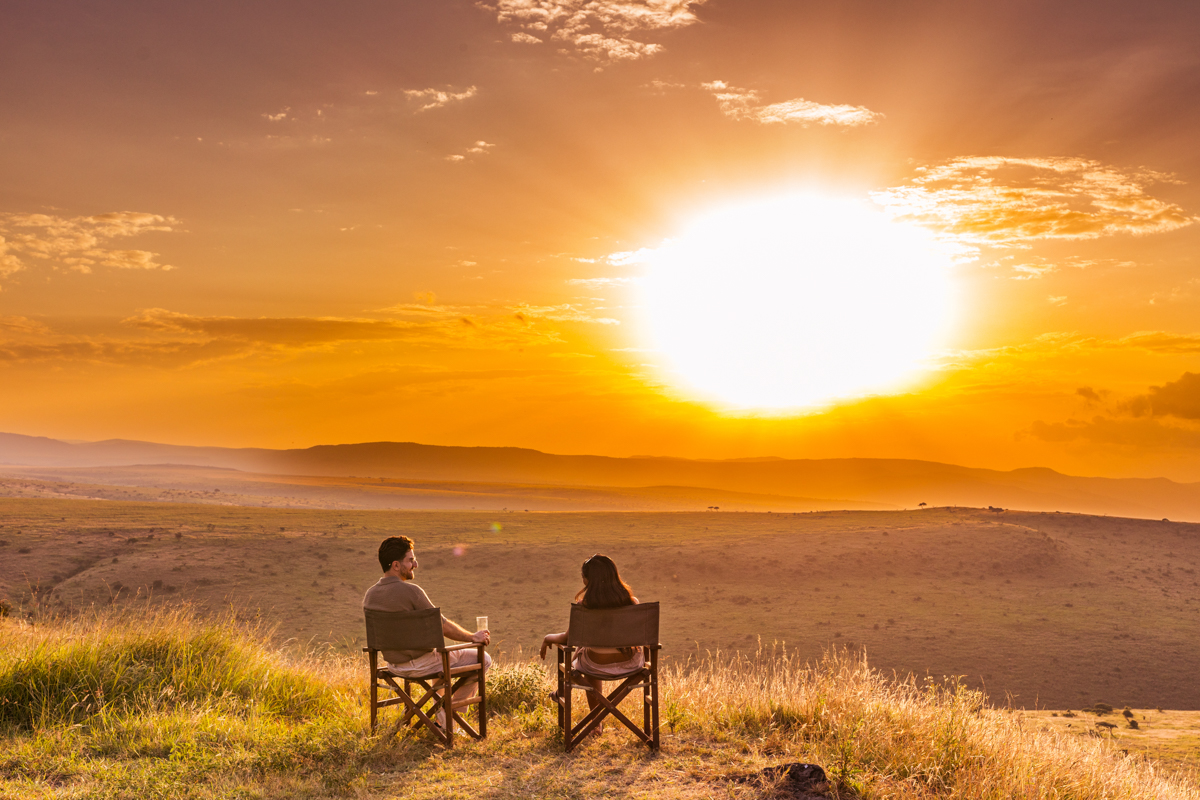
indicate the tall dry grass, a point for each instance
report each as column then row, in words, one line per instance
column 143, row 659
column 158, row 703
column 879, row 736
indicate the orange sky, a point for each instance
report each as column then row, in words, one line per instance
column 285, row 224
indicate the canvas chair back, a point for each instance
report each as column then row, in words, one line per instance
column 404, row 630
column 625, row 626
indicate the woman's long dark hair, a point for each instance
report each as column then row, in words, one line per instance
column 602, row 585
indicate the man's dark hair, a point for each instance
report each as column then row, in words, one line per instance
column 394, row 548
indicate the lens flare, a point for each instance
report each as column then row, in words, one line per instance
column 795, row 302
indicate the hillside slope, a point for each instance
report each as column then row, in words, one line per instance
column 892, row 482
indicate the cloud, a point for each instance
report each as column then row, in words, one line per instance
column 1037, row 266
column 22, row 325
column 745, row 104
column 1160, row 342
column 1152, row 419
column 1187, row 291
column 1120, row 432
column 1059, row 300
column 164, row 337
column 1056, row 344
column 9, row 263
column 1033, row 270
column 566, row 312
column 640, row 256
column 600, row 30
column 437, row 98
column 480, row 148
column 596, row 283
column 1007, row 201
column 1179, row 398
column 76, row 242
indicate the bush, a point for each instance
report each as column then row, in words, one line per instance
column 516, row 687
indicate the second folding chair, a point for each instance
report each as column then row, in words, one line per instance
column 627, row 626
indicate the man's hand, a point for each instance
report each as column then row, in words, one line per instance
column 482, row 637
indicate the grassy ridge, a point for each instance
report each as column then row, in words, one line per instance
column 158, row 703
column 142, row 663
column 145, row 703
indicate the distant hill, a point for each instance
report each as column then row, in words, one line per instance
column 893, row 482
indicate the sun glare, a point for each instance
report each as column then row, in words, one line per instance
column 795, row 302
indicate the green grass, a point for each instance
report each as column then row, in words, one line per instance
column 155, row 703
column 145, row 703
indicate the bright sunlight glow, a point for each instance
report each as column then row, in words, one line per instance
column 796, row 301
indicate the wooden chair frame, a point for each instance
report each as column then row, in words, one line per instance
column 627, row 626
column 422, row 630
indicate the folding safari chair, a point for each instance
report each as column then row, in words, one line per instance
column 422, row 630
column 627, row 626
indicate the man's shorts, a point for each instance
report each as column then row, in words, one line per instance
column 431, row 663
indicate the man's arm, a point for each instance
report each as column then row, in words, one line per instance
column 452, row 630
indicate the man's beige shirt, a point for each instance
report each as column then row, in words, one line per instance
column 392, row 594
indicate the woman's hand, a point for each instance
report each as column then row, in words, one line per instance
column 552, row 638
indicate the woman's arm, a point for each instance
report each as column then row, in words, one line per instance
column 552, row 638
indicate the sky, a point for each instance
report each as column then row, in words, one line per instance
column 286, row 224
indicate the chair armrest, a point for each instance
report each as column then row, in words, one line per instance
column 452, row 647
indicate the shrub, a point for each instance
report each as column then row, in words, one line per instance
column 516, row 687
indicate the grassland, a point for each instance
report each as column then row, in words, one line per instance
column 139, row 702
column 1039, row 610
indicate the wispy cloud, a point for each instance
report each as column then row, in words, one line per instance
column 747, row 104
column 565, row 312
column 999, row 201
column 1139, row 433
column 1037, row 266
column 600, row 30
column 596, row 283
column 480, row 148
column 437, row 98
column 625, row 257
column 22, row 325
column 1161, row 342
column 164, row 337
column 76, row 242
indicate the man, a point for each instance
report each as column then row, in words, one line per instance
column 395, row 592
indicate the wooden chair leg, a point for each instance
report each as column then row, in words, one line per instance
column 448, row 699
column 654, row 698
column 483, row 720
column 374, row 659
column 564, row 682
column 646, row 708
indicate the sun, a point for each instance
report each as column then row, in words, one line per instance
column 795, row 302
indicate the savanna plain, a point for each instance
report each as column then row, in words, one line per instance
column 200, row 650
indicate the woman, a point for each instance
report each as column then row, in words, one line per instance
column 602, row 588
